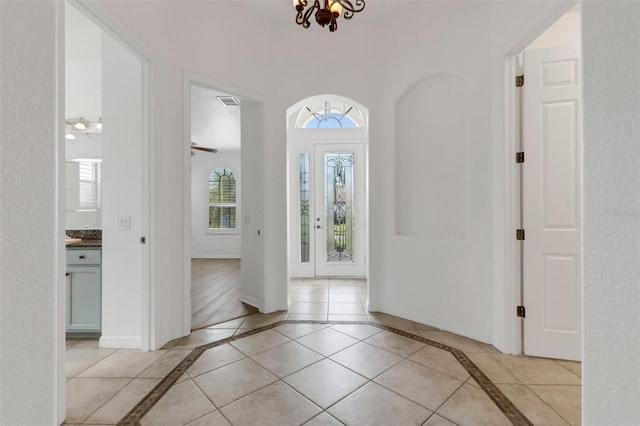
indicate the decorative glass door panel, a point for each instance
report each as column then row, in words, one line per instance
column 339, row 201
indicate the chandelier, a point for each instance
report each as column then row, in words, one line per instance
column 328, row 14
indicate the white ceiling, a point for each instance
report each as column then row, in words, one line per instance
column 213, row 124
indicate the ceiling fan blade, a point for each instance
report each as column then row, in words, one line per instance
column 202, row 148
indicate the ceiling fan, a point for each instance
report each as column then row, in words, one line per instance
column 194, row 146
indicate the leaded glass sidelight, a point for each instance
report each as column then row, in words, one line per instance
column 339, row 207
column 305, row 229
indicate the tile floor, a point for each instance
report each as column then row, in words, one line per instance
column 317, row 373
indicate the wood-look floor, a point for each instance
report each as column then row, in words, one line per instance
column 215, row 289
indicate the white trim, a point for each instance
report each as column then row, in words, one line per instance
column 249, row 301
column 102, row 19
column 121, row 342
column 507, row 333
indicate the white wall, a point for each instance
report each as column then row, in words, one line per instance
column 206, row 243
column 564, row 32
column 121, row 196
column 31, row 214
column 611, row 209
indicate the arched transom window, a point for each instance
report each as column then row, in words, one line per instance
column 222, row 200
column 329, row 114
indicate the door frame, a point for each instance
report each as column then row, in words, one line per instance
column 302, row 140
column 194, row 78
column 509, row 294
column 95, row 13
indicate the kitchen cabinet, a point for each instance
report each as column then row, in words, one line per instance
column 84, row 290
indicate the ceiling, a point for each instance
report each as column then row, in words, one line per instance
column 213, row 124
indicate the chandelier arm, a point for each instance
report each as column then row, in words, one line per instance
column 350, row 8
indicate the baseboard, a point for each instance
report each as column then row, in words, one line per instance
column 121, row 342
column 249, row 301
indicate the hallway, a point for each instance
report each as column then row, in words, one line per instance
column 306, row 366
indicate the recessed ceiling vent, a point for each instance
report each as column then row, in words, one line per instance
column 228, row 100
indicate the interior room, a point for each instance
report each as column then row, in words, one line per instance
column 498, row 164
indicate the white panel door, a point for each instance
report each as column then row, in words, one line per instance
column 339, row 210
column 552, row 203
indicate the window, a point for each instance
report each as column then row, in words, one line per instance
column 89, row 182
column 222, row 200
column 329, row 115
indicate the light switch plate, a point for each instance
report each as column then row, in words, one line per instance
column 124, row 223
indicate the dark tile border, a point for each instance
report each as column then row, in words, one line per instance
column 505, row 405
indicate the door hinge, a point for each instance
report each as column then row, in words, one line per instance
column 143, row 240
column 520, row 312
column 519, row 80
column 520, row 234
column 520, row 157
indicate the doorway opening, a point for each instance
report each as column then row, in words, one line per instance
column 216, row 207
column 223, row 207
column 544, row 184
column 327, row 175
column 108, row 123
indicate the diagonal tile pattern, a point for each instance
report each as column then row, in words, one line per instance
column 273, row 370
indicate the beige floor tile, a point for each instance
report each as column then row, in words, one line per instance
column 305, row 289
column 420, row 384
column 215, row 358
column 420, row 326
column 233, row 381
column 308, row 317
column 204, row 336
column 325, row 382
column 323, row 419
column 358, row 331
column 531, row 406
column 455, row 341
column 374, row 405
column 165, row 364
column 327, row 341
column 183, row 403
column 471, row 406
column 347, row 308
column 123, row 363
column 312, row 297
column 260, row 320
column 86, row 343
column 345, row 298
column 492, row 368
column 391, row 320
column 343, row 289
column 213, row 419
column 537, row 371
column 365, row 359
column 183, row 378
column 276, row 404
column 293, row 331
column 395, row 343
column 437, row 420
column 78, row 359
column 565, row 400
column 118, row 406
column 287, row 358
column 440, row 360
column 85, row 395
column 573, row 366
column 171, row 343
column 308, row 308
column 234, row 323
column 347, row 317
column 260, row 342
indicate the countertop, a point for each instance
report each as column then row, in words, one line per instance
column 90, row 238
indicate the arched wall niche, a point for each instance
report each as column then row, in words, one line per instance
column 431, row 178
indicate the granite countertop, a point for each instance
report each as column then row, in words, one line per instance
column 91, row 238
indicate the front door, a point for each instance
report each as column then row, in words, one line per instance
column 339, row 216
column 552, row 203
